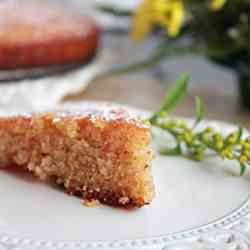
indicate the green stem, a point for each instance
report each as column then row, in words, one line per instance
column 162, row 51
column 109, row 9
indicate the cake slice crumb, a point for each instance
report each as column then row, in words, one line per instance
column 91, row 203
column 98, row 156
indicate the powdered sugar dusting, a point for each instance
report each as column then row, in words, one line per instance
column 92, row 110
column 114, row 114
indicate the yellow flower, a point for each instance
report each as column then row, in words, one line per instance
column 217, row 4
column 143, row 20
column 243, row 159
column 169, row 14
column 165, row 13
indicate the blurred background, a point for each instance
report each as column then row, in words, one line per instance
column 139, row 49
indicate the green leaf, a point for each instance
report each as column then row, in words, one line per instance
column 172, row 151
column 242, row 169
column 240, row 132
column 200, row 109
column 174, row 95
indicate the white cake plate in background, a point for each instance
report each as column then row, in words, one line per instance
column 197, row 206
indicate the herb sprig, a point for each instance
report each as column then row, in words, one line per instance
column 194, row 143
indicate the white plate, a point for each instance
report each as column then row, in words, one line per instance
column 197, row 205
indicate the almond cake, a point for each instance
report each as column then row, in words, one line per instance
column 97, row 155
column 42, row 33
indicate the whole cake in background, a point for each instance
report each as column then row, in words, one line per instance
column 40, row 34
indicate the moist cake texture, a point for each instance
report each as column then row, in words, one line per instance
column 93, row 154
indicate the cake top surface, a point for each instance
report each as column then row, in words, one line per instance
column 22, row 21
column 106, row 114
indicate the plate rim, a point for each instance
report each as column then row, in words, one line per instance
column 224, row 225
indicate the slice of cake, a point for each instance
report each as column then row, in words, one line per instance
column 102, row 156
